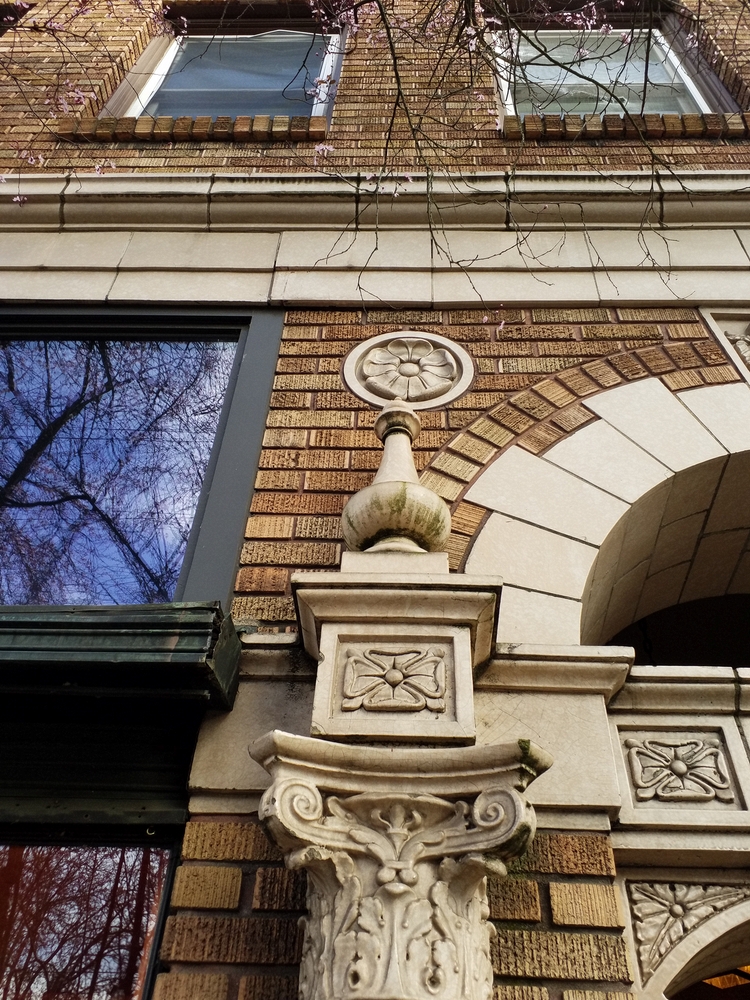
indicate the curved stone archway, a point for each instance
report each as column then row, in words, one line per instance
column 721, row 943
column 645, row 507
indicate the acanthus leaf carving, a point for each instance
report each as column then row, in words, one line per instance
column 664, row 913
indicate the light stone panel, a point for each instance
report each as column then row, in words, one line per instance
column 724, row 410
column 648, row 413
column 394, row 682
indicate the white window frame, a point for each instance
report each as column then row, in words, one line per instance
column 504, row 81
column 152, row 68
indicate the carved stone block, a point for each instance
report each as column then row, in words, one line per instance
column 403, row 682
column 678, row 768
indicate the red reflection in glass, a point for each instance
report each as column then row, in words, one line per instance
column 77, row 923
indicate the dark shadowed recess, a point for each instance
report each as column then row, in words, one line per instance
column 709, row 632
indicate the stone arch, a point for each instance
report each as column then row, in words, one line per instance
column 646, row 506
column 721, row 943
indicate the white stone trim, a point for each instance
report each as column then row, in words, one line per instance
column 552, row 557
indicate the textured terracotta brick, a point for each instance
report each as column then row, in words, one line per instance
column 473, row 447
column 368, row 459
column 651, row 315
column 190, row 986
column 578, row 382
column 274, row 479
column 311, row 382
column 232, row 940
column 480, row 400
column 554, row 392
column 579, row 348
column 655, row 360
column 316, row 418
column 449, row 489
column 512, row 419
column 269, row 527
column 711, row 353
column 455, row 466
column 635, row 331
column 467, row 517
column 543, row 332
column 320, row 316
column 572, row 417
column 265, row 609
column 301, row 333
column 686, row 331
column 268, row 988
column 292, row 400
column 568, row 854
column 298, row 366
column 290, row 553
column 585, row 905
column 207, row 887
column 683, row 355
column 521, row 992
column 601, row 372
column 353, row 439
column 513, row 899
column 530, row 403
column 682, row 380
column 456, row 547
column 261, row 578
column 493, row 315
column 228, row 842
column 542, row 365
column 297, row 503
column 313, row 458
column 339, row 401
column 539, row 438
column 318, row 527
column 284, row 439
column 486, row 428
column 550, row 955
column 348, row 482
column 403, row 316
column 596, row 995
column 628, row 366
column 721, row 373
column 570, row 315
column 279, row 889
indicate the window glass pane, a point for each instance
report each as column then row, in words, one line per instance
column 103, row 448
column 270, row 74
column 77, row 923
column 597, row 73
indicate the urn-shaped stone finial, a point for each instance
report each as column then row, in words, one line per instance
column 396, row 513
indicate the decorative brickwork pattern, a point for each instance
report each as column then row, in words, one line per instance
column 579, row 127
column 536, row 368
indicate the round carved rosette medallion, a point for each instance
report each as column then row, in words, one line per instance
column 423, row 368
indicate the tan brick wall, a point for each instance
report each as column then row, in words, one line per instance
column 537, row 367
column 373, row 125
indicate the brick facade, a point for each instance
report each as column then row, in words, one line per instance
column 535, row 369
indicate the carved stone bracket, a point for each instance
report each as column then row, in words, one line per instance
column 396, row 888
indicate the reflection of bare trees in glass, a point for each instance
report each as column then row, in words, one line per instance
column 76, row 923
column 103, row 446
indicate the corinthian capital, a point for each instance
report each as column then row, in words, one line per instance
column 397, row 843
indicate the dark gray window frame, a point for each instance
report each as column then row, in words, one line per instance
column 212, row 554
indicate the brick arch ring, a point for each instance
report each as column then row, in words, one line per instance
column 644, row 505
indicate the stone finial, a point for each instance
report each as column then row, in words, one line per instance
column 396, row 513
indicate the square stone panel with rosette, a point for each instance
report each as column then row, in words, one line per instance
column 400, row 682
column 679, row 769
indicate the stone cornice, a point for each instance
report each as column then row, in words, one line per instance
column 237, row 202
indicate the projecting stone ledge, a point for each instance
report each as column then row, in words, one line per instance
column 396, row 842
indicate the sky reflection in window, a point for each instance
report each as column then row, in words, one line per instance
column 103, row 449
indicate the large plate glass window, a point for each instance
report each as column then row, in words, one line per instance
column 578, row 72
column 110, row 437
column 79, row 922
column 276, row 72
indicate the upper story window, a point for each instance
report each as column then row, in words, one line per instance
column 597, row 72
column 278, row 72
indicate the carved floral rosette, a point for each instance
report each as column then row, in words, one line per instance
column 397, row 906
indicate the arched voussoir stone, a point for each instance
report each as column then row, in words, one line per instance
column 645, row 507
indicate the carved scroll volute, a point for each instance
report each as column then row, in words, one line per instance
column 397, row 906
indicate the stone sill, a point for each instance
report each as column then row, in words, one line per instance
column 243, row 128
column 572, row 127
